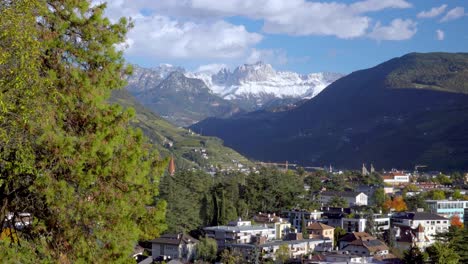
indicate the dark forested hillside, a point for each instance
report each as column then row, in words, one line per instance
column 406, row 111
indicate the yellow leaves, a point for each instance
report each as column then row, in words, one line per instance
column 397, row 204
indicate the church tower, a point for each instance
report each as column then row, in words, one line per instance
column 171, row 168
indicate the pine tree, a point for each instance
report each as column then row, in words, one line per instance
column 67, row 157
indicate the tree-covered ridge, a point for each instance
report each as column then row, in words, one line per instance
column 67, row 157
column 180, row 143
column 437, row 71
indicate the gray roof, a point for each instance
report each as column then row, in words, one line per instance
column 174, row 239
column 418, row 216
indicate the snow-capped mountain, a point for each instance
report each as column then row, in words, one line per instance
column 255, row 85
column 144, row 79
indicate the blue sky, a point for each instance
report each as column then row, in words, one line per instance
column 297, row 35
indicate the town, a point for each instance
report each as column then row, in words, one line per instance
column 390, row 216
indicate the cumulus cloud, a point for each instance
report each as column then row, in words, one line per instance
column 453, row 14
column 163, row 37
column 399, row 29
column 440, row 34
column 292, row 17
column 195, row 29
column 435, row 11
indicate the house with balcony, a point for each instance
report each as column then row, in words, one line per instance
column 295, row 217
column 239, row 232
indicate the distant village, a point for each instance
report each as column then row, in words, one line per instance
column 331, row 234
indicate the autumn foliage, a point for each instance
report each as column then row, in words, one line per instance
column 456, row 221
column 397, row 204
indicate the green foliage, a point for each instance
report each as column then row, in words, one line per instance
column 337, row 234
column 197, row 199
column 184, row 143
column 66, row 156
column 231, row 257
column 456, row 195
column 283, row 253
column 305, row 234
column 379, row 197
column 416, row 201
column 437, row 71
column 414, row 256
column 456, row 239
column 338, row 201
column 207, row 249
column 439, row 253
column 437, row 195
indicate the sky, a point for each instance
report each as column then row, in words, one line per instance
column 293, row 35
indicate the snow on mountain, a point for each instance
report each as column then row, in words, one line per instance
column 262, row 83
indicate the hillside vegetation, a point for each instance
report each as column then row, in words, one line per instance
column 181, row 143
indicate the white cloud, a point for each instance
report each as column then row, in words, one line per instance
column 292, row 17
column 399, row 29
column 377, row 5
column 435, row 11
column 453, row 14
column 272, row 56
column 162, row 37
column 440, row 34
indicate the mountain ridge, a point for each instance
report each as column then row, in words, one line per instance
column 366, row 116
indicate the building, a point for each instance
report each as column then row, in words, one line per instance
column 332, row 216
column 406, row 237
column 174, row 246
column 431, row 223
column 352, row 198
column 295, row 217
column 359, row 223
column 239, row 232
column 281, row 225
column 297, row 248
column 448, row 208
column 396, row 177
column 320, row 231
column 363, row 244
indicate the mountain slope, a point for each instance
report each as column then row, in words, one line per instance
column 186, row 146
column 409, row 110
column 179, row 99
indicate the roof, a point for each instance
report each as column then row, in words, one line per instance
column 371, row 243
column 174, row 239
column 350, row 237
column 319, row 226
column 342, row 194
column 418, row 216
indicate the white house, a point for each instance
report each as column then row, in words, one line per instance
column 174, row 246
column 358, row 224
column 396, row 177
column 431, row 223
column 352, row 198
column 239, row 232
